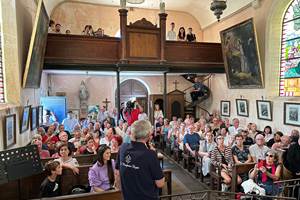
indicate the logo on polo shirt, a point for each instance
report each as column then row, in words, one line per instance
column 128, row 159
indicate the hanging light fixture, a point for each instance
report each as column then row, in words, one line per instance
column 135, row 1
column 217, row 6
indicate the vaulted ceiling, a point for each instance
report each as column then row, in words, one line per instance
column 200, row 9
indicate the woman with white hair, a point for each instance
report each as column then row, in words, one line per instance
column 37, row 140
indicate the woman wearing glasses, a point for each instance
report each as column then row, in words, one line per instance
column 267, row 171
column 221, row 157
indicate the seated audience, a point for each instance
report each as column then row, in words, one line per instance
column 76, row 139
column 66, row 159
column 49, row 136
column 50, row 187
column 252, row 130
column 37, row 140
column 191, row 140
column 246, row 139
column 240, row 153
column 101, row 174
column 221, row 157
column 266, row 172
column 268, row 133
column 91, row 148
column 190, row 36
column 181, row 34
column 233, row 130
column 116, row 142
column 259, row 149
column 108, row 136
column 275, row 139
column 63, row 137
column 206, row 146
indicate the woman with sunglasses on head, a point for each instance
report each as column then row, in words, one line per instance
column 267, row 172
column 101, row 174
column 221, row 157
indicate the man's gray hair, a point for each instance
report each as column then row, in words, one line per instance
column 141, row 129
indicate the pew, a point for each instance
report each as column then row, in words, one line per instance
column 239, row 169
column 108, row 195
column 188, row 159
column 28, row 188
column 198, row 167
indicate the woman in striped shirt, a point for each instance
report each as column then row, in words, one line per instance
column 221, row 157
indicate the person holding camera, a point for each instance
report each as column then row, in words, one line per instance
column 132, row 111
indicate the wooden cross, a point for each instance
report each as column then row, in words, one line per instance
column 175, row 83
column 106, row 103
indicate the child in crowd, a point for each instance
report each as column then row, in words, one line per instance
column 50, row 187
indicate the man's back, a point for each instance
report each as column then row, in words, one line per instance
column 139, row 168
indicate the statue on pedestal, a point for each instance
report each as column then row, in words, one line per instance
column 83, row 96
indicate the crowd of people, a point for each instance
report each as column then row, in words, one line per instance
column 88, row 30
column 182, row 35
column 223, row 145
column 219, row 143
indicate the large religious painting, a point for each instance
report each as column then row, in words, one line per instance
column 241, row 56
column 292, row 113
column 290, row 52
column 35, row 58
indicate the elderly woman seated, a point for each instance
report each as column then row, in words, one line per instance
column 37, row 140
column 266, row 172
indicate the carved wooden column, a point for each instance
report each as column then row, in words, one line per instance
column 162, row 25
column 165, row 94
column 123, row 24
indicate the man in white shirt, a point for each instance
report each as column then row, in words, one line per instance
column 258, row 150
column 171, row 34
column 233, row 130
column 70, row 122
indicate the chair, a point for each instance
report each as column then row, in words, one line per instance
column 215, row 177
column 188, row 159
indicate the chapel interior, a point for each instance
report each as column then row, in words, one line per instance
column 135, row 60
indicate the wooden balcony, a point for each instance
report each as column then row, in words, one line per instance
column 78, row 52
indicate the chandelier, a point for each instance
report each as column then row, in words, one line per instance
column 217, row 6
column 135, row 1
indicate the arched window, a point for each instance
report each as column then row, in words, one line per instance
column 290, row 51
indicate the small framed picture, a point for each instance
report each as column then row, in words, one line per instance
column 34, row 118
column 40, row 115
column 25, row 119
column 9, row 137
column 242, row 107
column 225, row 108
column 264, row 110
column 292, row 114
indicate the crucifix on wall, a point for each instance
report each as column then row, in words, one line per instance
column 175, row 83
column 106, row 103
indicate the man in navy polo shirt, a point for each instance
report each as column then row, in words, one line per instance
column 138, row 166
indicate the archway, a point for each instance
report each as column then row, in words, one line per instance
column 132, row 89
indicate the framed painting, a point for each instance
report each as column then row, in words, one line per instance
column 264, row 110
column 242, row 107
column 225, row 108
column 40, row 115
column 241, row 56
column 25, row 119
column 9, row 136
column 34, row 118
column 37, row 47
column 292, row 114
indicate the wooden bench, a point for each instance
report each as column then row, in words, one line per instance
column 215, row 177
column 108, row 195
column 188, row 159
column 239, row 169
column 198, row 167
column 82, row 159
column 28, row 188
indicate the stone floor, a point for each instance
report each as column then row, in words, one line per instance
column 182, row 181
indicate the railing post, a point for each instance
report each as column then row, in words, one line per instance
column 165, row 96
column 118, row 95
column 123, row 24
column 162, row 26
